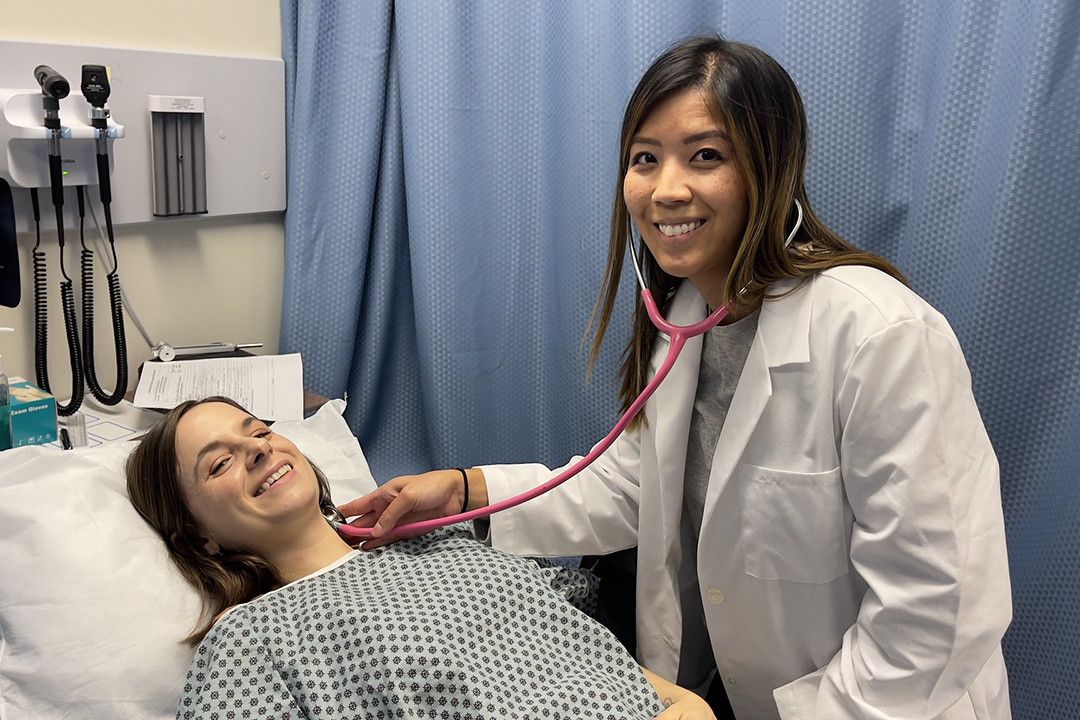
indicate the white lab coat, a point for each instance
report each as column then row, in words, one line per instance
column 852, row 554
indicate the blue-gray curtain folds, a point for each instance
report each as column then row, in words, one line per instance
column 451, row 167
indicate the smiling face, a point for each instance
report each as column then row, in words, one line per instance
column 246, row 485
column 685, row 194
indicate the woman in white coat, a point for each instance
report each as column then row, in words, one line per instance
column 813, row 496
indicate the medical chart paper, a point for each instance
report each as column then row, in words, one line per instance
column 271, row 387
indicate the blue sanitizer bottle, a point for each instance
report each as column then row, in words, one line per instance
column 5, row 409
column 5, row 403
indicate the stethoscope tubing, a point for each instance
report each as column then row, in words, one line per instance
column 678, row 336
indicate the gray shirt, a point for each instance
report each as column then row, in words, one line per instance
column 723, row 354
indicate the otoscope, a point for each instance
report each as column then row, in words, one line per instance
column 95, row 88
column 53, row 89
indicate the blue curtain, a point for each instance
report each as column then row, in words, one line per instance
column 451, row 169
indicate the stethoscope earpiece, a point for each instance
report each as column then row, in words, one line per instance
column 798, row 224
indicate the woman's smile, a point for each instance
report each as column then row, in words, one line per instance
column 280, row 476
column 677, row 230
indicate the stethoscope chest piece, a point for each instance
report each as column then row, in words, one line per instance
column 334, row 517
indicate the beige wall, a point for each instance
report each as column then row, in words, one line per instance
column 191, row 280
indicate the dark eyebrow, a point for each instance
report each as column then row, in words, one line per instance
column 215, row 444
column 688, row 140
column 639, row 140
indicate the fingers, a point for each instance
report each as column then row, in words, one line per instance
column 382, row 509
column 687, row 709
column 365, row 512
column 371, row 506
column 376, row 543
column 359, row 506
column 405, row 499
column 401, row 505
column 364, row 505
column 365, row 521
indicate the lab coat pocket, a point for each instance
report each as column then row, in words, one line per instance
column 793, row 524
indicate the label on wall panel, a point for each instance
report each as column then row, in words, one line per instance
column 174, row 103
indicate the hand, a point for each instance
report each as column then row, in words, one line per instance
column 408, row 499
column 681, row 704
column 689, row 707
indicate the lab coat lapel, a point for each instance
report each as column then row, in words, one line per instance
column 674, row 405
column 782, row 338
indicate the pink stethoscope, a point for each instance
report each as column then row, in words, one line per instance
column 678, row 334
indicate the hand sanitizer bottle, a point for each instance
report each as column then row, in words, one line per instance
column 5, row 409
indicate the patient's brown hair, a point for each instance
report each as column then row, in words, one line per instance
column 153, row 484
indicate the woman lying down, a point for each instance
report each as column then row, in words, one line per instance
column 439, row 626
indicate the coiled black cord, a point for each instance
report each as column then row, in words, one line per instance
column 41, row 318
column 71, row 326
column 117, row 310
column 41, row 302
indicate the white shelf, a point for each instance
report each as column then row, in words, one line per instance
column 244, row 122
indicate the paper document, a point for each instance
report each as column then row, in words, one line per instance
column 271, row 387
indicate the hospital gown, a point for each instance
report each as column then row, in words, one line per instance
column 435, row 627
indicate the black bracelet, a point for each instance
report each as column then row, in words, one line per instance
column 465, row 479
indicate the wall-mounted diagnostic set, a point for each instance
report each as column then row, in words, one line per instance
column 202, row 135
column 36, row 159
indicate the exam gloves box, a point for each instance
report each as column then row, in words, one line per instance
column 33, row 415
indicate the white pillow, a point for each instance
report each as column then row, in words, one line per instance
column 91, row 609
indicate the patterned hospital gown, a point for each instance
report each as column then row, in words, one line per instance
column 436, row 627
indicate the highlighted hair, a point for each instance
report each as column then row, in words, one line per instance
column 756, row 101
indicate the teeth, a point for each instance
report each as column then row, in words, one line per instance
column 273, row 479
column 674, row 230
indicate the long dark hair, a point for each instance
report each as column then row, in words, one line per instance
column 760, row 107
column 153, row 484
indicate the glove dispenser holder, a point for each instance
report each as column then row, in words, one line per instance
column 178, row 135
